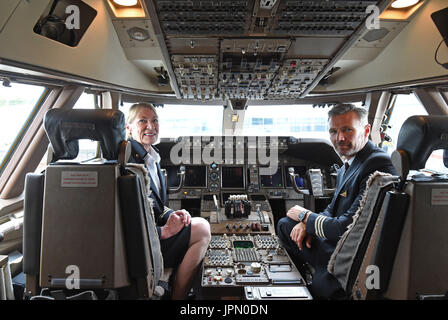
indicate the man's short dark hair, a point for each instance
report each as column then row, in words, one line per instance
column 343, row 108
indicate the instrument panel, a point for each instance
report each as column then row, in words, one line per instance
column 245, row 259
column 215, row 178
column 244, row 173
column 261, row 51
column 240, row 264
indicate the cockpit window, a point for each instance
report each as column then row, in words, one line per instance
column 407, row 105
column 187, row 120
column 18, row 106
column 300, row 121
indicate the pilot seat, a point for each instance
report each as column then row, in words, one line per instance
column 89, row 229
column 396, row 247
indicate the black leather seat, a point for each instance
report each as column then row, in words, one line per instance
column 92, row 218
column 421, row 262
column 397, row 247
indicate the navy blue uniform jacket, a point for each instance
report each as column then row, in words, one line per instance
column 329, row 225
column 161, row 212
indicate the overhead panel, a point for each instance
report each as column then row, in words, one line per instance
column 253, row 49
column 137, row 37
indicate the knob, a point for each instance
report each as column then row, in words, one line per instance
column 214, row 176
column 255, row 267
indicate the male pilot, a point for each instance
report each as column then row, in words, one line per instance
column 311, row 237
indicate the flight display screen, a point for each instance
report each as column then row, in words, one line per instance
column 195, row 176
column 272, row 181
column 243, row 244
column 232, row 177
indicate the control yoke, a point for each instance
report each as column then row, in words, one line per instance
column 292, row 177
column 181, row 173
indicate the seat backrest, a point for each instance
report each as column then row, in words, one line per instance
column 80, row 213
column 421, row 264
column 372, row 279
column 385, row 252
column 348, row 258
column 419, row 136
column 65, row 127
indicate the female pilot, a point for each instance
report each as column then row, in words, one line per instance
column 183, row 239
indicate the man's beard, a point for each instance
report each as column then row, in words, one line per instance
column 349, row 150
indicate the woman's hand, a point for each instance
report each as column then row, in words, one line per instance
column 172, row 226
column 176, row 222
column 185, row 216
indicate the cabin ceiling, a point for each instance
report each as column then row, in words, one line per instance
column 240, row 52
column 243, row 50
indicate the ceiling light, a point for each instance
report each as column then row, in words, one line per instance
column 126, row 3
column 123, row 9
column 403, row 3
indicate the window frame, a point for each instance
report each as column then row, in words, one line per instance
column 29, row 120
column 389, row 115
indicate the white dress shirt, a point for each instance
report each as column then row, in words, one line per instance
column 151, row 158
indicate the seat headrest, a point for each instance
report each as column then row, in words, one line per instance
column 418, row 138
column 65, row 127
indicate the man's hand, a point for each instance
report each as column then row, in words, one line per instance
column 294, row 212
column 298, row 234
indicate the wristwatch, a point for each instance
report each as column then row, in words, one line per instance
column 301, row 216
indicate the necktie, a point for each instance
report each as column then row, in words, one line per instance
column 346, row 167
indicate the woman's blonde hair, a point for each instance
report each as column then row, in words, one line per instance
column 134, row 109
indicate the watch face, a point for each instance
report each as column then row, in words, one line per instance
column 301, row 216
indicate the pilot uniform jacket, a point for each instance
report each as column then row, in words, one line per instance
column 161, row 212
column 328, row 226
column 175, row 247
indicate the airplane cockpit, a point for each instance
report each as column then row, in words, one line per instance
column 242, row 90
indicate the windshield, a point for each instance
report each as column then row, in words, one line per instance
column 187, row 120
column 300, row 121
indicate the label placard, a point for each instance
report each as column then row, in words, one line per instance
column 439, row 197
column 79, row 179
